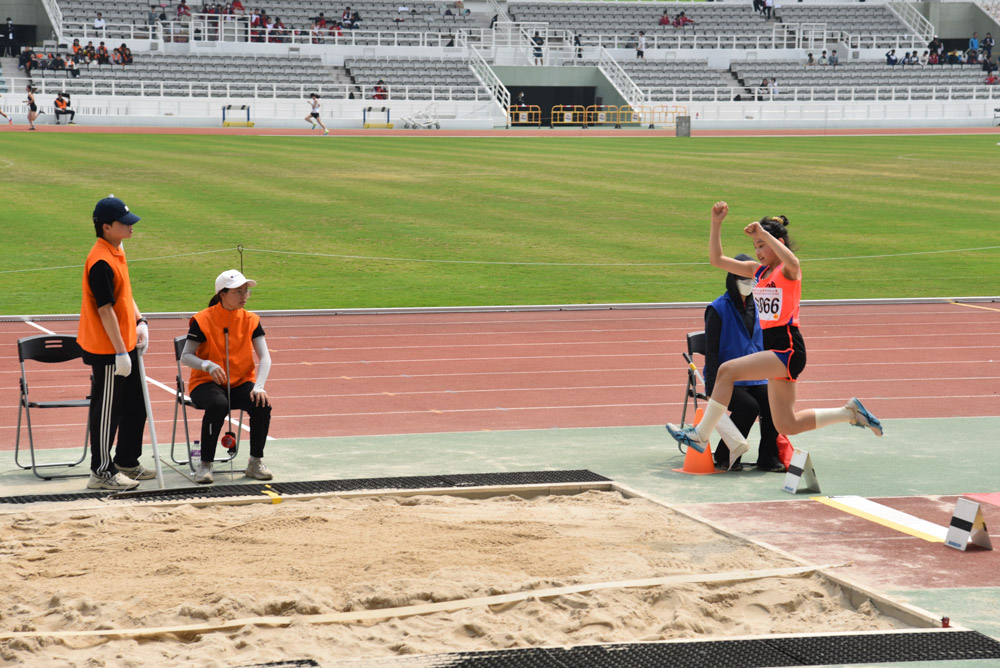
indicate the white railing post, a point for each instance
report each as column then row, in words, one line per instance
column 911, row 18
column 488, row 78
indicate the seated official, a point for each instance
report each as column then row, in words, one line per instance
column 221, row 341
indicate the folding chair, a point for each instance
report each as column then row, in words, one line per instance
column 48, row 349
column 181, row 403
column 695, row 345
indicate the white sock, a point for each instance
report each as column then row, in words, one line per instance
column 730, row 432
column 713, row 413
column 827, row 416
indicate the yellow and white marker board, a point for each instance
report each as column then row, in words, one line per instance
column 886, row 516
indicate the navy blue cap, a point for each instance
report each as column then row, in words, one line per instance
column 110, row 209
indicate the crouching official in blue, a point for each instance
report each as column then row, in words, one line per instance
column 732, row 330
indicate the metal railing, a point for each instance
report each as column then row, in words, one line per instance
column 658, row 94
column 253, row 90
column 622, row 82
column 911, row 18
column 488, row 78
column 55, row 16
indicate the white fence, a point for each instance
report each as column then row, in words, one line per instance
column 754, row 42
column 824, row 94
column 620, row 79
column 253, row 90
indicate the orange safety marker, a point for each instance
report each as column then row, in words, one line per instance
column 698, row 463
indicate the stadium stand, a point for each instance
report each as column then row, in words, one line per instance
column 691, row 80
column 416, row 78
column 819, row 83
column 852, row 19
column 296, row 15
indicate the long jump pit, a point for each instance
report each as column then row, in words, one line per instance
column 502, row 569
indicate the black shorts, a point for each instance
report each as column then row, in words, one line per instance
column 33, row 107
column 787, row 343
column 315, row 114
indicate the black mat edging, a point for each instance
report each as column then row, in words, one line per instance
column 325, row 486
column 749, row 653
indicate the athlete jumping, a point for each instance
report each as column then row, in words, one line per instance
column 777, row 292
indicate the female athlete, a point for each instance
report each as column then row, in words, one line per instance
column 777, row 291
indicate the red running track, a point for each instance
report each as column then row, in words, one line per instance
column 350, row 375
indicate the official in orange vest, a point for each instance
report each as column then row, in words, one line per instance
column 112, row 334
column 205, row 352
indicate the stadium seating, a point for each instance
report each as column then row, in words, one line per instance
column 295, row 14
column 953, row 80
column 415, row 76
column 692, row 79
column 854, row 19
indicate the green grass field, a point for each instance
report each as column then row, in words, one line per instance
column 498, row 221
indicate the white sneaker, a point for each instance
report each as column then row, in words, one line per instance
column 139, row 472
column 203, row 475
column 257, row 469
column 118, row 482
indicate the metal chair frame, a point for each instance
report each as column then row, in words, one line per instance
column 181, row 403
column 695, row 346
column 47, row 349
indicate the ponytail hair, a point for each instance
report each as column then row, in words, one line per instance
column 777, row 227
column 215, row 298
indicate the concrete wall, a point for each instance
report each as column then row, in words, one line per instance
column 565, row 77
column 958, row 20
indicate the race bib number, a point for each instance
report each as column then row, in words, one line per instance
column 768, row 302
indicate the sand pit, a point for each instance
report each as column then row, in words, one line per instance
column 135, row 566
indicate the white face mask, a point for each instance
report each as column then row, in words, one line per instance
column 745, row 286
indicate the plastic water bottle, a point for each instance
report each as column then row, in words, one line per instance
column 196, row 450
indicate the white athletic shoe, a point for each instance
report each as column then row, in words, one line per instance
column 139, row 472
column 117, row 482
column 203, row 475
column 257, row 469
column 737, row 451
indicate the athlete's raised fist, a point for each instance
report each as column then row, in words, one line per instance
column 719, row 212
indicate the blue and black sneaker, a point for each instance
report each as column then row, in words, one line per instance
column 862, row 418
column 687, row 436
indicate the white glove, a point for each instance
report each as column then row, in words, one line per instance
column 123, row 364
column 142, row 338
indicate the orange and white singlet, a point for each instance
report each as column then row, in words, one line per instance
column 777, row 298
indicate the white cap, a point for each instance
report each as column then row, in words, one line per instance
column 230, row 279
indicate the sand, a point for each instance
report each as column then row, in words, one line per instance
column 136, row 565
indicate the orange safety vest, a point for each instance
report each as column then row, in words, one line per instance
column 91, row 335
column 213, row 322
column 61, row 104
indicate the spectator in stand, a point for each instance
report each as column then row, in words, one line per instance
column 974, row 42
column 538, row 41
column 153, row 16
column 772, row 89
column 76, row 48
column 183, row 11
column 334, row 29
column 932, row 58
column 381, row 91
column 99, row 22
column 279, row 31
column 758, row 6
column 665, row 18
column 936, row 46
column 810, row 61
column 682, row 21
column 925, row 59
column 238, row 9
column 768, row 9
column 62, row 108
column 345, row 18
column 126, row 54
column 493, row 21
column 640, row 47
column 57, row 63
column 116, row 56
column 954, row 57
column 991, row 79
column 834, row 60
column 972, row 57
column 102, row 55
column 90, row 52
column 71, row 68
column 890, row 57
column 578, row 43
column 314, row 34
column 988, row 46
column 906, row 59
column 762, row 89
column 26, row 60
column 989, row 65
column 355, row 20
column 823, row 60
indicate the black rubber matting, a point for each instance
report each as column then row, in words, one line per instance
column 756, row 653
column 324, row 486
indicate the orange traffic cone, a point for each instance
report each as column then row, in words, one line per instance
column 698, row 463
